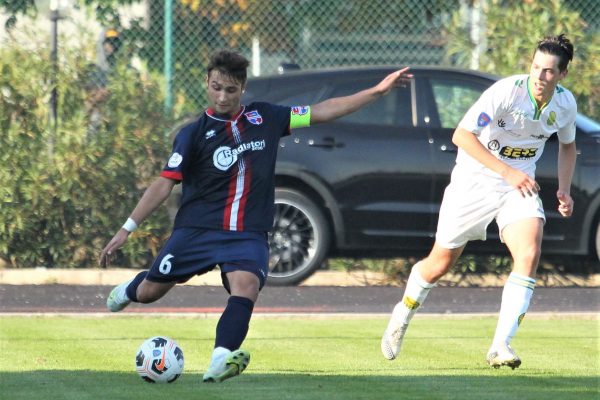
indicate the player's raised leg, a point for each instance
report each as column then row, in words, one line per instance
column 138, row 290
column 523, row 239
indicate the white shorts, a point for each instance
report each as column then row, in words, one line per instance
column 470, row 205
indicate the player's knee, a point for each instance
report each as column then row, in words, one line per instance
column 528, row 256
column 249, row 291
column 433, row 268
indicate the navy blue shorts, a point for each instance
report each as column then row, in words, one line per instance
column 192, row 251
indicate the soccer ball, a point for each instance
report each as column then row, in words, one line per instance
column 159, row 360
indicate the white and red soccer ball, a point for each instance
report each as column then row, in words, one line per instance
column 159, row 360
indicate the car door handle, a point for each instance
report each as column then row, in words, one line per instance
column 327, row 142
column 448, row 148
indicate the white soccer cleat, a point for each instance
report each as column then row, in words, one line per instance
column 227, row 366
column 391, row 341
column 117, row 299
column 502, row 354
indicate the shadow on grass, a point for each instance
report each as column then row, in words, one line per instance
column 490, row 384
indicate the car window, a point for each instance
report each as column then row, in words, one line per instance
column 453, row 98
column 392, row 109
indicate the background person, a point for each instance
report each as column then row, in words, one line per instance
column 226, row 162
column 500, row 139
column 98, row 74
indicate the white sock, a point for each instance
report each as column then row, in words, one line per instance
column 516, row 295
column 415, row 293
column 218, row 355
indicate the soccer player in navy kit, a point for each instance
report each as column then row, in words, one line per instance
column 226, row 162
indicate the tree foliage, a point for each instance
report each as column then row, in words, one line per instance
column 512, row 29
column 65, row 193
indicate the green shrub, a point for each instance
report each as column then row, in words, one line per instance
column 509, row 43
column 65, row 193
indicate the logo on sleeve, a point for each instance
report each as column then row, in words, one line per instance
column 175, row 160
column 483, row 120
column 254, row 117
column 299, row 110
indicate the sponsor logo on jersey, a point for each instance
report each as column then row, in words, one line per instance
column 483, row 120
column 299, row 110
column 175, row 160
column 501, row 123
column 254, row 117
column 493, row 145
column 551, row 118
column 210, row 134
column 224, row 157
column 517, row 153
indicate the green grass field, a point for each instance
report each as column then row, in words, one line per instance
column 327, row 357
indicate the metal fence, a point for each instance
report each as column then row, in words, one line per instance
column 175, row 37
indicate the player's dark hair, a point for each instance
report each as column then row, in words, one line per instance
column 558, row 46
column 229, row 63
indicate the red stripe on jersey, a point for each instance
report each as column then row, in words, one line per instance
column 175, row 175
column 242, row 210
column 232, row 186
column 247, row 179
column 230, row 199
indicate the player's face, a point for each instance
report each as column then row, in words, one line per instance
column 545, row 75
column 224, row 93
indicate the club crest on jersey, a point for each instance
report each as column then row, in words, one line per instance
column 254, row 117
column 299, row 110
column 483, row 120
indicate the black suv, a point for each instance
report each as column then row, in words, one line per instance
column 370, row 184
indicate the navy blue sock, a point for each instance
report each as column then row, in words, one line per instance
column 234, row 322
column 131, row 290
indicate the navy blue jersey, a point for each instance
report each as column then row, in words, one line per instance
column 227, row 168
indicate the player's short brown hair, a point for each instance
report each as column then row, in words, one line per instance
column 229, row 63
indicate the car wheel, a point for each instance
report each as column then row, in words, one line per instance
column 299, row 240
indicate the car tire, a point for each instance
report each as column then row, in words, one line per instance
column 299, row 240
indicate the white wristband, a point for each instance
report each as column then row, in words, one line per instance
column 130, row 225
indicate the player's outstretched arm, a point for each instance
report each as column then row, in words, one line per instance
column 336, row 107
column 153, row 197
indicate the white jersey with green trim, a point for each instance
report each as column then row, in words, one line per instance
column 508, row 122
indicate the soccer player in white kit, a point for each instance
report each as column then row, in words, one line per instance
column 500, row 139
